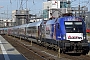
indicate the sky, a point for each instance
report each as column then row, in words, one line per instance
column 35, row 6
column 6, row 6
column 75, row 3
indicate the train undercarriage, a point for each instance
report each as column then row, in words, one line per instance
column 67, row 46
column 74, row 47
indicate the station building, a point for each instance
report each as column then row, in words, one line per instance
column 55, row 8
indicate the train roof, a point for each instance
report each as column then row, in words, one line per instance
column 15, row 27
column 1, row 28
column 34, row 24
column 24, row 25
column 5, row 28
column 51, row 21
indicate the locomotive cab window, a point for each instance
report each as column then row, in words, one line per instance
column 73, row 27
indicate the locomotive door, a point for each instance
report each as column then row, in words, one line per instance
column 58, row 31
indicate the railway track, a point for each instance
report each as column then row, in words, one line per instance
column 36, row 52
column 29, row 52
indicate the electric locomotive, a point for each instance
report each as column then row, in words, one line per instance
column 68, row 32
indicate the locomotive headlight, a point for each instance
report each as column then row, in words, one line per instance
column 84, row 37
column 64, row 37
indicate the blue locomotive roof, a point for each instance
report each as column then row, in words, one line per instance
column 69, row 18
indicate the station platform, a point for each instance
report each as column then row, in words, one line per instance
column 8, row 52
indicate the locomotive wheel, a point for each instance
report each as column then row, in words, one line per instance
column 84, row 53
